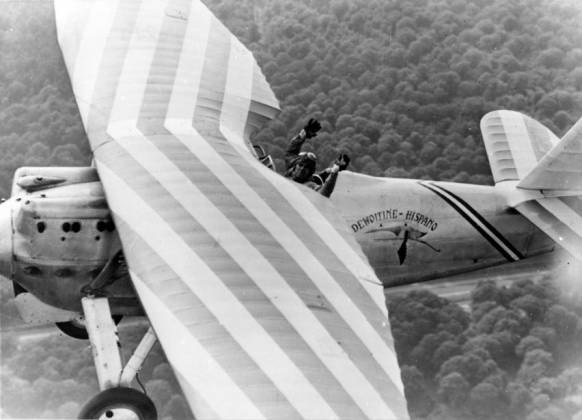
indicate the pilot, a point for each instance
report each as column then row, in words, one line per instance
column 300, row 166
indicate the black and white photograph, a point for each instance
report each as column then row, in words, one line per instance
column 276, row 209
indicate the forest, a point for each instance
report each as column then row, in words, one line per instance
column 515, row 355
column 401, row 86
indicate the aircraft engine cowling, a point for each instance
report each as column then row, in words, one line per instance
column 61, row 235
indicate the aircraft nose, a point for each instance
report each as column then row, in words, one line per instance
column 6, row 239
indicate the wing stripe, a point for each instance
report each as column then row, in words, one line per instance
column 160, row 78
column 124, row 115
column 253, row 202
column 203, row 410
column 123, row 118
column 552, row 226
column 238, row 90
column 575, row 202
column 564, row 213
column 343, row 251
column 206, row 377
column 245, row 61
column 118, row 125
column 298, row 251
column 230, row 312
column 256, row 205
column 267, row 278
column 103, row 84
column 477, row 221
column 190, row 65
column 241, row 286
column 136, row 67
column 89, row 53
column 299, row 201
column 220, row 345
column 143, row 66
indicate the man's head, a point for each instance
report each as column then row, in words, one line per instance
column 304, row 168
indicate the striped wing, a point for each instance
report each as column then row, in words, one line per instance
column 515, row 143
column 560, row 218
column 263, row 303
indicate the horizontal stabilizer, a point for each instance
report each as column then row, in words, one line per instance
column 561, row 168
column 560, row 218
column 515, row 143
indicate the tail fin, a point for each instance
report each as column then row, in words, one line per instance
column 521, row 149
column 515, row 143
column 548, row 171
column 561, row 167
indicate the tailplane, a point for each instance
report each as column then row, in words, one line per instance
column 546, row 173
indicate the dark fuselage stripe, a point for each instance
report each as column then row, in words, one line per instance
column 489, row 226
column 477, row 221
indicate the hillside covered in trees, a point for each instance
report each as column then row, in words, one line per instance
column 399, row 84
column 517, row 355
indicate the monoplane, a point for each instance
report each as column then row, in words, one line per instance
column 266, row 297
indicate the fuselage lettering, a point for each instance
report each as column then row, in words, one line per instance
column 411, row 216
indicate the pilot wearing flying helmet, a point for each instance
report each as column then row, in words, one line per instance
column 300, row 166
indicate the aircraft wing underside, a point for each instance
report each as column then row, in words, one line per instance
column 263, row 302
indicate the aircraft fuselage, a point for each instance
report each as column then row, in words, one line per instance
column 58, row 232
column 414, row 230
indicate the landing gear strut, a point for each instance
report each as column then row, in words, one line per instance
column 76, row 328
column 116, row 399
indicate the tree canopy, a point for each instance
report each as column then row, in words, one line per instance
column 515, row 355
column 400, row 85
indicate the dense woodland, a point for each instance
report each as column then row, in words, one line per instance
column 400, row 85
column 516, row 355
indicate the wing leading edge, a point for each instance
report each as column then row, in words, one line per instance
column 263, row 303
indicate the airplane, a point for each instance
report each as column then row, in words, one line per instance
column 418, row 230
column 266, row 297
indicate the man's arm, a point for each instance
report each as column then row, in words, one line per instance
column 294, row 148
column 329, row 183
column 327, row 179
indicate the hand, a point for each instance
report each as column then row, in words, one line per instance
column 342, row 161
column 312, row 127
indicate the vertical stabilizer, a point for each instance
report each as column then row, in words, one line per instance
column 561, row 167
column 515, row 143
